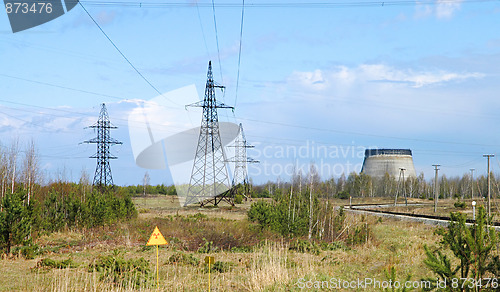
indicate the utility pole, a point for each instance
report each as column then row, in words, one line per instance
column 472, row 183
column 209, row 181
column 240, row 163
column 102, row 176
column 436, row 187
column 489, row 189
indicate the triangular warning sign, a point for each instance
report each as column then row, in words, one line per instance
column 156, row 238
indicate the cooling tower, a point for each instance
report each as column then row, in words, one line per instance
column 380, row 161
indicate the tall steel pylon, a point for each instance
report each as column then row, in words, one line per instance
column 209, row 181
column 240, row 162
column 102, row 176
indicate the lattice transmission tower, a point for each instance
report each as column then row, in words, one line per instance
column 209, row 181
column 102, row 176
column 240, row 162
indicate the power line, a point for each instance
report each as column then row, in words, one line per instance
column 202, row 30
column 239, row 53
column 322, row 5
column 267, row 123
column 362, row 134
column 217, row 41
column 62, row 87
column 119, row 51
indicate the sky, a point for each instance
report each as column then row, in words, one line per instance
column 318, row 84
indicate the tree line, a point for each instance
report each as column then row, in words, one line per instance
column 29, row 208
column 361, row 185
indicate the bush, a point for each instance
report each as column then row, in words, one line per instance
column 29, row 251
column 305, row 246
column 208, row 246
column 460, row 205
column 238, row 199
column 60, row 211
column 16, row 219
column 359, row 235
column 122, row 272
column 220, row 267
column 242, row 249
column 55, row 264
column 473, row 250
column 182, row 258
column 336, row 245
column 344, row 195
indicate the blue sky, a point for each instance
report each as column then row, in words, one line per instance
column 334, row 79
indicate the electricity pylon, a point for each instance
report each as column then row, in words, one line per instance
column 209, row 181
column 102, row 176
column 240, row 162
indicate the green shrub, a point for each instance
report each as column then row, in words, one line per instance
column 473, row 252
column 55, row 264
column 359, row 235
column 305, row 246
column 30, row 250
column 242, row 249
column 238, row 199
column 207, row 246
column 122, row 272
column 336, row 245
column 182, row 258
column 16, row 219
column 390, row 275
column 220, row 267
column 344, row 195
column 196, row 217
column 460, row 205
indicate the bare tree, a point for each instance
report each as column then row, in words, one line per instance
column 145, row 181
column 30, row 169
column 12, row 161
column 313, row 180
column 3, row 173
column 84, row 182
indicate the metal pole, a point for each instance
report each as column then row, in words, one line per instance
column 157, row 270
column 472, row 183
column 436, row 187
column 404, row 186
column 489, row 189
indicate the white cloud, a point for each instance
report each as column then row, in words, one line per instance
column 446, row 8
column 344, row 76
column 442, row 9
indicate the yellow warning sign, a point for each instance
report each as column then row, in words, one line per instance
column 156, row 238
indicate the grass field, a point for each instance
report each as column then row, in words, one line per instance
column 251, row 260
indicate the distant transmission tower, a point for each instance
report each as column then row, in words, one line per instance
column 102, row 176
column 209, row 181
column 240, row 162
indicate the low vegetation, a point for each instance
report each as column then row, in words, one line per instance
column 64, row 236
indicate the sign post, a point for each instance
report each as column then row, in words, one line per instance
column 209, row 261
column 157, row 239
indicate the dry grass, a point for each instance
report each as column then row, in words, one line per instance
column 270, row 267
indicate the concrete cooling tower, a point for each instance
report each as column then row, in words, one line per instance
column 379, row 161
